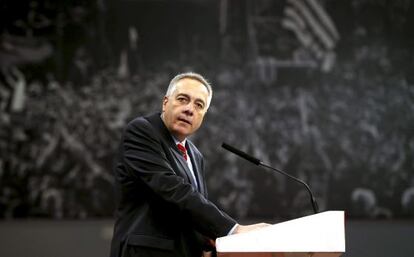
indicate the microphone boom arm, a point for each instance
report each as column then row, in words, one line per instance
column 313, row 201
column 260, row 163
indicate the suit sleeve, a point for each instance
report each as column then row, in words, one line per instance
column 145, row 159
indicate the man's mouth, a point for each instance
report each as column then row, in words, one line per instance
column 184, row 120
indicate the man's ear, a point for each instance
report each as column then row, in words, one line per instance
column 164, row 103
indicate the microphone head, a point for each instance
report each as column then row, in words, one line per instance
column 241, row 154
column 227, row 147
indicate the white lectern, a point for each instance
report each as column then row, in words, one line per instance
column 319, row 235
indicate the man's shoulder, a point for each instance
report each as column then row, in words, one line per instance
column 150, row 126
column 137, row 124
column 143, row 121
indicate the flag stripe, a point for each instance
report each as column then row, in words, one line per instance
column 324, row 17
column 317, row 28
column 303, row 36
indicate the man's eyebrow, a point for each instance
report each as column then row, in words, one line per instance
column 188, row 96
column 183, row 94
column 200, row 100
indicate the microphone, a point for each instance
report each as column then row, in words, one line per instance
column 260, row 163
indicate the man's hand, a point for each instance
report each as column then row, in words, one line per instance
column 207, row 254
column 243, row 229
column 237, row 230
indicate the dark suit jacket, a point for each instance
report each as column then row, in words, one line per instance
column 160, row 212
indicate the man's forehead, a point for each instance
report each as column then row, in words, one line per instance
column 190, row 85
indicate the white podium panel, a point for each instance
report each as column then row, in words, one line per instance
column 319, row 235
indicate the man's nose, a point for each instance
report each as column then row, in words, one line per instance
column 189, row 109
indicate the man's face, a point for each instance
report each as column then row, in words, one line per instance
column 184, row 110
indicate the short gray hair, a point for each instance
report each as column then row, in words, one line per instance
column 191, row 75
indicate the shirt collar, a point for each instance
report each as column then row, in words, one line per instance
column 178, row 141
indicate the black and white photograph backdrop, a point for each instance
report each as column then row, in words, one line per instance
column 321, row 89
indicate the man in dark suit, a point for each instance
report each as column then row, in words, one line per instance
column 163, row 208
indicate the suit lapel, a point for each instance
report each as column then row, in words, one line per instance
column 195, row 160
column 178, row 156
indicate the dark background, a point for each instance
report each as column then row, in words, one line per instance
column 73, row 73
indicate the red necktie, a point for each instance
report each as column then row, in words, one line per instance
column 182, row 150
